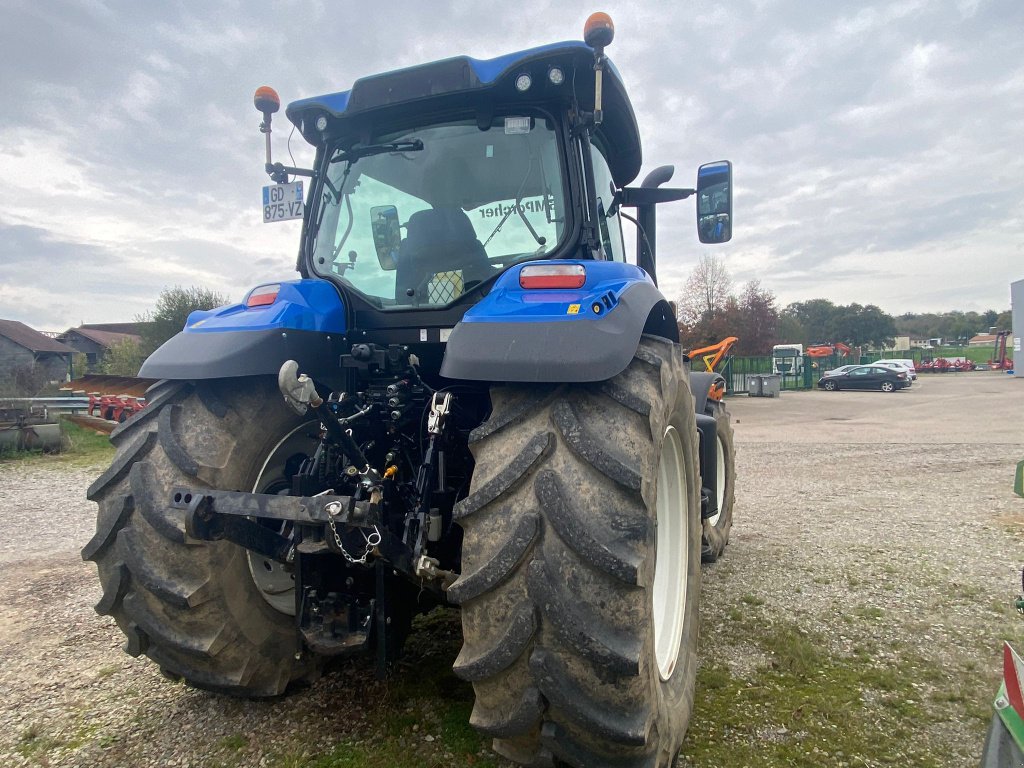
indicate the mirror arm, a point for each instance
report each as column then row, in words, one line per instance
column 634, row 197
column 644, row 199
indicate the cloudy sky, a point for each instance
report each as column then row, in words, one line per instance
column 878, row 147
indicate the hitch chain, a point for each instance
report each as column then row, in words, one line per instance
column 371, row 543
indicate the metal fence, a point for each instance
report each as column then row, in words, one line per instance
column 804, row 374
column 47, row 405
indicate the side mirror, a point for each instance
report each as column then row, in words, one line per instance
column 714, row 202
column 387, row 235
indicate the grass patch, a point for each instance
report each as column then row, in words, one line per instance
column 84, row 446
column 419, row 718
column 806, row 707
column 869, row 612
column 104, row 672
column 752, row 600
column 81, row 447
column 233, row 743
column 33, row 743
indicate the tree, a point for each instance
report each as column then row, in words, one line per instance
column 757, row 320
column 173, row 307
column 123, row 358
column 817, row 317
column 704, row 302
column 27, row 380
column 791, row 330
column 826, row 323
column 863, row 326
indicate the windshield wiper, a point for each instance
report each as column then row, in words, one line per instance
column 414, row 145
column 517, row 208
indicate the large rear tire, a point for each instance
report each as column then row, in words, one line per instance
column 581, row 567
column 718, row 527
column 194, row 607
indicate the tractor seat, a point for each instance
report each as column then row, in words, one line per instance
column 440, row 241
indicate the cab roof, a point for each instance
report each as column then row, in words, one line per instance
column 465, row 82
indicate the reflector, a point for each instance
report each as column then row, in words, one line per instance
column 552, row 276
column 263, row 296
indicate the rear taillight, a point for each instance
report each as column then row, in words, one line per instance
column 901, row 375
column 263, row 296
column 552, row 276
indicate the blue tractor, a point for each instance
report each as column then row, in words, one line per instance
column 468, row 398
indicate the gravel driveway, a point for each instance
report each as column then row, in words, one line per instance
column 864, row 519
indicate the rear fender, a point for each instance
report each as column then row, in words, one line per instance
column 306, row 322
column 564, row 335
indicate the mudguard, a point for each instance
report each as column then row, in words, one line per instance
column 559, row 335
column 701, row 384
column 305, row 322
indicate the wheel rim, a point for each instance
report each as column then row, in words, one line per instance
column 719, row 483
column 276, row 584
column 887, row 386
column 671, row 567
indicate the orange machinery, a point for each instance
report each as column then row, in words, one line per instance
column 713, row 354
column 825, row 350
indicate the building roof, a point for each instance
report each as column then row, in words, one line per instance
column 103, row 338
column 31, row 339
column 134, row 329
column 982, row 338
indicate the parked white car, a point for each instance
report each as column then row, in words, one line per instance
column 839, row 370
column 900, row 366
column 906, row 363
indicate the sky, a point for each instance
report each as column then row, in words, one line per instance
column 877, row 146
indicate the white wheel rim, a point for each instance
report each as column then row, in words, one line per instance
column 275, row 583
column 719, row 483
column 671, row 566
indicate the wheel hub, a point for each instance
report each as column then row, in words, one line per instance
column 276, row 583
column 672, row 553
column 719, row 482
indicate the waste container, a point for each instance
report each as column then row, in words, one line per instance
column 764, row 385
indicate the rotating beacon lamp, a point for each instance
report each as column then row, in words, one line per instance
column 598, row 32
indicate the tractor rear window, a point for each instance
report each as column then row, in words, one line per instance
column 420, row 217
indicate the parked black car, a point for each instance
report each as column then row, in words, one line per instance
column 866, row 377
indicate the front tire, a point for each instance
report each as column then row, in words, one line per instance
column 191, row 606
column 831, row 386
column 581, row 567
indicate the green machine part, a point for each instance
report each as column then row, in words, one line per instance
column 1009, row 703
column 1018, row 482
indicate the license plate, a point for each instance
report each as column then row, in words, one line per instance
column 282, row 202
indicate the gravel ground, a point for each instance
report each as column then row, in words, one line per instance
column 899, row 505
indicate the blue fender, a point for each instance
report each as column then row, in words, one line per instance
column 559, row 335
column 306, row 322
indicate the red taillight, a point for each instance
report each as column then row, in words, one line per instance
column 552, row 276
column 263, row 296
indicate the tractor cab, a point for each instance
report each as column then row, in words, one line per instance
column 432, row 181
